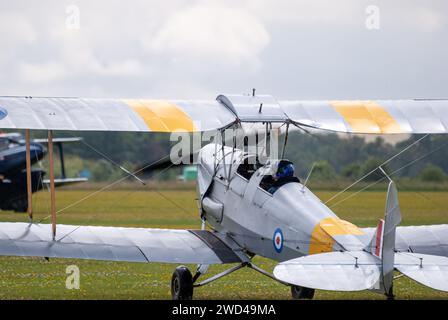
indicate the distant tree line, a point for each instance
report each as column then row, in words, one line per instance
column 351, row 157
column 334, row 156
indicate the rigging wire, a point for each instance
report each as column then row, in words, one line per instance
column 394, row 172
column 111, row 160
column 120, row 180
column 372, row 171
column 108, row 186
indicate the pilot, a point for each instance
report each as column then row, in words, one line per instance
column 283, row 175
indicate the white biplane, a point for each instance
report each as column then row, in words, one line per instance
column 249, row 212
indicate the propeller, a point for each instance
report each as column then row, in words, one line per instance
column 166, row 163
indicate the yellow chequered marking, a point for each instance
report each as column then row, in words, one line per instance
column 367, row 117
column 162, row 116
column 322, row 235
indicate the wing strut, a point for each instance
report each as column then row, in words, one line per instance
column 52, row 190
column 28, row 175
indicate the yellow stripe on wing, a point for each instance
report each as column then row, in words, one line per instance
column 367, row 117
column 162, row 116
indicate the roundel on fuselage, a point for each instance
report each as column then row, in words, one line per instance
column 278, row 240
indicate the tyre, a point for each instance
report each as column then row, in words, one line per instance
column 182, row 284
column 301, row 292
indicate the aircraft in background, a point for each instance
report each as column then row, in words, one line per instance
column 13, row 190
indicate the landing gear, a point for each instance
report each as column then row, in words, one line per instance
column 182, row 284
column 302, row 292
column 390, row 295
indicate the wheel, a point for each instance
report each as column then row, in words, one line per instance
column 182, row 284
column 390, row 295
column 302, row 292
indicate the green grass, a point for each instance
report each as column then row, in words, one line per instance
column 35, row 278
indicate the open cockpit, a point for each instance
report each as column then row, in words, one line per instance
column 280, row 173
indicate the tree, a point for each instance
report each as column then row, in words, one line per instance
column 351, row 171
column 103, row 170
column 370, row 165
column 323, row 171
column 432, row 173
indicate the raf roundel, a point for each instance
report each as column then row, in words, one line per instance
column 3, row 113
column 278, row 240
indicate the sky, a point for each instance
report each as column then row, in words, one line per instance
column 196, row 49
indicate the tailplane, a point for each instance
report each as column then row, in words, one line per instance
column 369, row 269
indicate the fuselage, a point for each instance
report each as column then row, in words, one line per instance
column 289, row 223
column 13, row 154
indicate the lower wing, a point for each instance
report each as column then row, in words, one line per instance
column 420, row 252
column 65, row 181
column 360, row 270
column 118, row 244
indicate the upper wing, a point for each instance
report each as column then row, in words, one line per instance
column 379, row 116
column 118, row 244
column 112, row 114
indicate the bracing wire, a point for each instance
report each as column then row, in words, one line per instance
column 372, row 171
column 116, row 182
column 112, row 161
column 391, row 174
column 108, row 186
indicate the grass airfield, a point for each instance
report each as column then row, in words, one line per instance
column 36, row 278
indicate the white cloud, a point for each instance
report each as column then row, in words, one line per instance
column 16, row 32
column 308, row 13
column 428, row 20
column 41, row 73
column 199, row 48
column 76, row 57
column 128, row 67
column 80, row 55
column 210, row 33
column 49, row 72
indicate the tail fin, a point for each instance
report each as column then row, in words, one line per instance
column 382, row 244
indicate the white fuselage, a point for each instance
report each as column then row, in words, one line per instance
column 255, row 218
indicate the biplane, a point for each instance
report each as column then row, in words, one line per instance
column 251, row 208
column 13, row 167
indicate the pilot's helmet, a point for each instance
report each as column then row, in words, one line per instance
column 285, row 169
